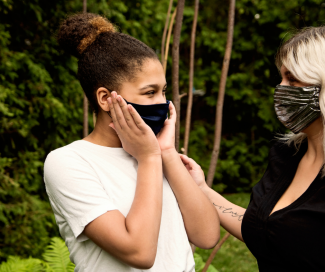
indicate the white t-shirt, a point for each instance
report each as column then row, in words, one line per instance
column 85, row 180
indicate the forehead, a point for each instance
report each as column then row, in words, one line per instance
column 151, row 72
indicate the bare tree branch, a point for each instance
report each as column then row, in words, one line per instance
column 221, row 95
column 218, row 125
column 85, row 102
column 190, row 88
column 214, row 252
column 168, row 39
column 163, row 40
column 175, row 68
column 182, row 95
column 94, row 119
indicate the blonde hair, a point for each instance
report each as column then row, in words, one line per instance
column 304, row 56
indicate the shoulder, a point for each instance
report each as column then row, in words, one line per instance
column 281, row 150
column 65, row 161
column 62, row 154
column 281, row 155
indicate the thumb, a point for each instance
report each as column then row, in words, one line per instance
column 111, row 125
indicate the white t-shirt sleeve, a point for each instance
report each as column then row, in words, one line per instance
column 75, row 190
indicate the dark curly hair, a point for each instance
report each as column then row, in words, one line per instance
column 106, row 56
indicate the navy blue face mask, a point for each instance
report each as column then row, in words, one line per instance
column 153, row 115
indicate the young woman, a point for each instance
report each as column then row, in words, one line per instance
column 283, row 225
column 113, row 205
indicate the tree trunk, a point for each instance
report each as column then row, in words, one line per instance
column 168, row 39
column 214, row 252
column 217, row 136
column 85, row 102
column 175, row 68
column 221, row 95
column 191, row 75
column 163, row 40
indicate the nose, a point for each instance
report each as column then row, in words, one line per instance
column 160, row 99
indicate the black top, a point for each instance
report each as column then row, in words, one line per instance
column 293, row 238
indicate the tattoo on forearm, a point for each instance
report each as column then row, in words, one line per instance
column 230, row 211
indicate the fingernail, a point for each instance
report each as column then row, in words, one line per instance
column 118, row 99
column 114, row 94
column 109, row 100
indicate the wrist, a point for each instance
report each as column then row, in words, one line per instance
column 154, row 158
column 168, row 151
column 204, row 188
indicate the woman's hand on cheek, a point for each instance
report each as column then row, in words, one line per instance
column 166, row 137
column 136, row 136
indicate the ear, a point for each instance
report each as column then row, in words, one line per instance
column 102, row 95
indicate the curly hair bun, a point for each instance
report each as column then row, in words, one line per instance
column 77, row 32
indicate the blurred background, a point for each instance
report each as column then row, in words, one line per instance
column 41, row 100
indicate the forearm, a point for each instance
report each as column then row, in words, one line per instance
column 200, row 217
column 230, row 215
column 143, row 220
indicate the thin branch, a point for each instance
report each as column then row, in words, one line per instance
column 214, row 252
column 85, row 101
column 221, row 95
column 191, row 75
column 94, row 119
column 175, row 68
column 168, row 39
column 163, row 40
column 217, row 136
column 182, row 95
column 84, row 6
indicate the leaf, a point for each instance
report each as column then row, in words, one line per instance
column 199, row 264
column 15, row 264
column 57, row 256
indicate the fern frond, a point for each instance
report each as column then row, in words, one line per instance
column 57, row 256
column 15, row 264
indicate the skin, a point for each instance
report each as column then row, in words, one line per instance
column 133, row 239
column 310, row 165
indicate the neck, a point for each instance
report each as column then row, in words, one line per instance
column 315, row 140
column 102, row 133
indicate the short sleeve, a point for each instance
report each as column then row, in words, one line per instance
column 75, row 190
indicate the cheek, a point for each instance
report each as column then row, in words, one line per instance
column 284, row 82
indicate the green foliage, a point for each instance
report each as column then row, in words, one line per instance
column 199, row 264
column 41, row 98
column 56, row 258
column 15, row 264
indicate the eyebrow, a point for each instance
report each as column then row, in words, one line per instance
column 154, row 86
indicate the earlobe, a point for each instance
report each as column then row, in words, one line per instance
column 102, row 95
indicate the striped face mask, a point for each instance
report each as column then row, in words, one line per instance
column 296, row 107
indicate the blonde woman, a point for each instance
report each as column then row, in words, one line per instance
column 284, row 223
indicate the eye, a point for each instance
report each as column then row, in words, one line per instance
column 150, row 93
column 292, row 80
